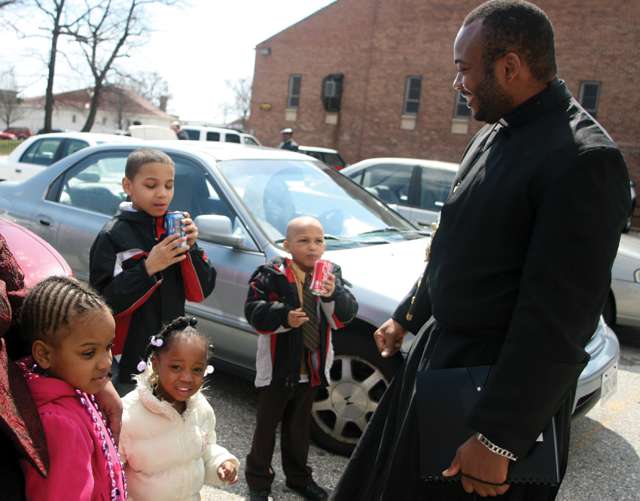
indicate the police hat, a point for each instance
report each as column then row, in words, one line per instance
column 286, row 130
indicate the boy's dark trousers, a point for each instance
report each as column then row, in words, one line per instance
column 290, row 405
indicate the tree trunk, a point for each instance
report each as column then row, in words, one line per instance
column 48, row 102
column 93, row 107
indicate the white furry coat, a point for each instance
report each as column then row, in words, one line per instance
column 169, row 456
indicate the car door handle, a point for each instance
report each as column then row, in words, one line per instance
column 18, row 171
column 44, row 221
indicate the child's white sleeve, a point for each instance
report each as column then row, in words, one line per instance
column 215, row 454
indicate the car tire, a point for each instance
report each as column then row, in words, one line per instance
column 359, row 378
column 609, row 311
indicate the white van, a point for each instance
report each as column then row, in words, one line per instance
column 207, row 133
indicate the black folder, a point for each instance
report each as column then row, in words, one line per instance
column 445, row 397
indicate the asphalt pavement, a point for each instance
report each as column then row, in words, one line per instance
column 604, row 462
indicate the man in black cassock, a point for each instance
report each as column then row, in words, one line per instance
column 519, row 269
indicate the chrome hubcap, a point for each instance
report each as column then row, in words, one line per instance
column 344, row 408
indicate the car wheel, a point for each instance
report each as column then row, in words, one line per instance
column 359, row 378
column 609, row 311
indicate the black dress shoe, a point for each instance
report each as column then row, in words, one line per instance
column 259, row 495
column 311, row 491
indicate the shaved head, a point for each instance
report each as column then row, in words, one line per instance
column 300, row 223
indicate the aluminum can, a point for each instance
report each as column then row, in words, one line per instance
column 321, row 270
column 173, row 224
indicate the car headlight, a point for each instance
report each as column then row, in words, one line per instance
column 636, row 276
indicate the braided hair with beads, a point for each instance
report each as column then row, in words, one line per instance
column 52, row 304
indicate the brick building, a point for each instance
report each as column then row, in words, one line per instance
column 396, row 59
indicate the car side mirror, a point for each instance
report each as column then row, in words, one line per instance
column 217, row 230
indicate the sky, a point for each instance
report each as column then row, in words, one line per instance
column 196, row 48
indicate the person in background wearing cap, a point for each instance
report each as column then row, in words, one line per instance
column 287, row 142
column 175, row 127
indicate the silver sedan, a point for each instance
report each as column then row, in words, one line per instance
column 242, row 199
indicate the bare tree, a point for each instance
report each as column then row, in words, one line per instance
column 10, row 110
column 61, row 24
column 105, row 35
column 241, row 105
column 150, row 85
column 7, row 3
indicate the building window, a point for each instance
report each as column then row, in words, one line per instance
column 73, row 118
column 460, row 109
column 293, row 99
column 104, row 120
column 412, row 89
column 589, row 96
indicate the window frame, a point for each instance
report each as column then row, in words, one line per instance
column 457, row 102
column 290, row 94
column 407, row 100
column 584, row 83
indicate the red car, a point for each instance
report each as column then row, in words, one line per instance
column 8, row 136
column 19, row 132
column 36, row 257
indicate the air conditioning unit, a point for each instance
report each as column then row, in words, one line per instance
column 332, row 92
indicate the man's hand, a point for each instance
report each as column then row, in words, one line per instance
column 164, row 254
column 389, row 337
column 474, row 462
column 297, row 317
column 228, row 472
column 190, row 229
column 111, row 405
column 329, row 286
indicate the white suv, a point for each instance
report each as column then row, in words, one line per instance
column 207, row 133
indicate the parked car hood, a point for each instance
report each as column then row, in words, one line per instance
column 36, row 257
column 381, row 275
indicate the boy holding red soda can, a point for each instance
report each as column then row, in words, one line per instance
column 294, row 311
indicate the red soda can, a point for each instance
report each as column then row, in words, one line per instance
column 321, row 270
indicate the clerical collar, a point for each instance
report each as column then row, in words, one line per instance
column 553, row 96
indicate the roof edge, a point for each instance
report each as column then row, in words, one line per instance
column 296, row 24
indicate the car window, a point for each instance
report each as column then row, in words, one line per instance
column 275, row 191
column 193, row 134
column 73, row 145
column 249, row 140
column 195, row 192
column 389, row 182
column 96, row 183
column 42, row 152
column 434, row 188
column 232, row 138
column 334, row 160
column 213, row 136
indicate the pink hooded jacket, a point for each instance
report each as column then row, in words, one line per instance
column 78, row 465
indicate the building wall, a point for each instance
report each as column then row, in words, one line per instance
column 74, row 119
column 376, row 44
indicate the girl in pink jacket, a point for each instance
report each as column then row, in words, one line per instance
column 71, row 331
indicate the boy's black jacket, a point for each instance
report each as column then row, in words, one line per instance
column 142, row 304
column 272, row 295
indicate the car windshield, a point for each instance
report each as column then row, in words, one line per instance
column 275, row 191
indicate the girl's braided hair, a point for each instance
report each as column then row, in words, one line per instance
column 185, row 326
column 52, row 304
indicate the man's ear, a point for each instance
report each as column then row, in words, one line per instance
column 512, row 66
column 42, row 354
column 285, row 244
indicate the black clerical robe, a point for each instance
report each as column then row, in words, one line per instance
column 518, row 274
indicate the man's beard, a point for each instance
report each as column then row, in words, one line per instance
column 491, row 100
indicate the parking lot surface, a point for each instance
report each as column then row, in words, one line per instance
column 604, row 461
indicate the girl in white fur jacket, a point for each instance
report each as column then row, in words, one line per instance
column 168, row 438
